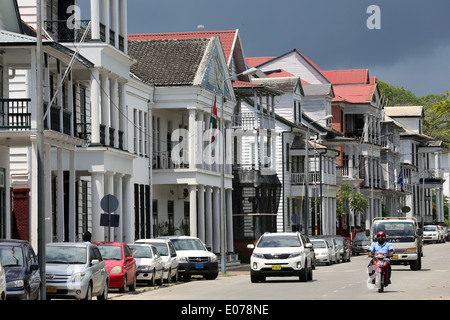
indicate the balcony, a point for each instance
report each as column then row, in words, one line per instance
column 62, row 32
column 15, row 114
column 248, row 121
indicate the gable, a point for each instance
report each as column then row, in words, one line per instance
column 297, row 64
column 216, row 71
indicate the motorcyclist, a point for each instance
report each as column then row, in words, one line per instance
column 382, row 246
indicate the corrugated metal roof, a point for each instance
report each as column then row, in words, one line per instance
column 351, row 76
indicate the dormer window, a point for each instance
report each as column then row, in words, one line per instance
column 297, row 111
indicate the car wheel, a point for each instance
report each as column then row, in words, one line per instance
column 104, row 295
column 152, row 282
column 168, row 276
column 175, row 277
column 124, row 285
column 88, row 292
column 211, row 276
column 133, row 285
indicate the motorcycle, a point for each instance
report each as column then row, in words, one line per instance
column 380, row 272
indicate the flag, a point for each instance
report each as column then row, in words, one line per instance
column 214, row 123
column 400, row 179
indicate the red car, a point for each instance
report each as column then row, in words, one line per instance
column 120, row 263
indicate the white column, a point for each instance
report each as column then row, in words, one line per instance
column 192, row 138
column 115, row 21
column 208, row 217
column 128, row 214
column 199, row 143
column 95, row 107
column 216, row 220
column 115, row 110
column 106, row 18
column 123, row 23
column 33, row 212
column 48, row 194
column 109, row 189
column 229, row 206
column 105, row 110
column 98, row 192
column 201, row 213
column 59, row 196
column 193, row 210
column 72, row 204
column 95, row 19
column 118, row 192
column 123, row 112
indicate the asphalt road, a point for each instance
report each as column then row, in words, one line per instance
column 344, row 281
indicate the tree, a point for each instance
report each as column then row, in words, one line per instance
column 349, row 201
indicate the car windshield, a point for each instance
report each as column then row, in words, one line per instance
column 111, row 252
column 340, row 242
column 141, row 251
column 318, row 244
column 395, row 229
column 361, row 237
column 279, row 241
column 430, row 228
column 188, row 244
column 162, row 248
column 11, row 256
column 66, row 255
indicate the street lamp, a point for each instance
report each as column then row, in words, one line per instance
column 250, row 71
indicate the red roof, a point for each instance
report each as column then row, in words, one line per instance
column 353, row 76
column 256, row 61
column 354, row 93
column 240, row 84
column 227, row 38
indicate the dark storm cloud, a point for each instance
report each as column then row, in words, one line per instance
column 333, row 33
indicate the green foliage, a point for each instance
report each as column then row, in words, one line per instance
column 436, row 108
column 347, row 200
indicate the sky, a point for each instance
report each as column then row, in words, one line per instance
column 410, row 49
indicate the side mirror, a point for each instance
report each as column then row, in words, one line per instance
column 95, row 262
column 34, row 267
column 129, row 259
column 309, row 245
column 419, row 231
column 251, row 246
column 368, row 233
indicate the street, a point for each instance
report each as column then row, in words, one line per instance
column 344, row 281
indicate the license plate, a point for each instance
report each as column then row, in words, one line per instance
column 199, row 266
column 394, row 257
column 276, row 267
column 380, row 263
column 50, row 289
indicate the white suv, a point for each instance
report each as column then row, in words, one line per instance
column 280, row 255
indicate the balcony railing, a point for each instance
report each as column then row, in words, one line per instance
column 15, row 114
column 62, row 31
column 248, row 120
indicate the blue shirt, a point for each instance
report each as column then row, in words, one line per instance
column 384, row 248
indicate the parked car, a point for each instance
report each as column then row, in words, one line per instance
column 447, row 233
column 343, row 247
column 75, row 271
column 150, row 266
column 431, row 233
column 2, row 283
column 335, row 254
column 23, row 280
column 194, row 258
column 168, row 253
column 120, row 263
column 281, row 254
column 443, row 233
column 361, row 243
column 322, row 251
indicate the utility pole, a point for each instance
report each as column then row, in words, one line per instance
column 40, row 148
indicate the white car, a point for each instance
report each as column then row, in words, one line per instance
column 168, row 254
column 281, row 254
column 194, row 258
column 431, row 234
column 2, row 283
column 322, row 252
column 150, row 266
